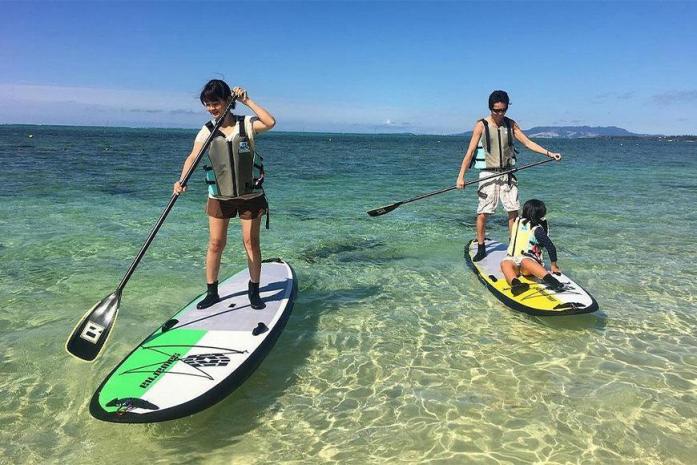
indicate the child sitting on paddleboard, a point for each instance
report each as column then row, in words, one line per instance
column 528, row 238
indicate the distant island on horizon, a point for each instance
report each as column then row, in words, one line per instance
column 537, row 132
column 577, row 132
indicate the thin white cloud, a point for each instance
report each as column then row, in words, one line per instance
column 121, row 99
column 605, row 96
column 567, row 122
column 72, row 105
column 675, row 97
column 46, row 104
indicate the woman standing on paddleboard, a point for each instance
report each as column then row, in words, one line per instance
column 234, row 174
column 492, row 141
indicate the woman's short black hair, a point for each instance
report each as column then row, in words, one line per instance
column 534, row 211
column 215, row 90
column 498, row 96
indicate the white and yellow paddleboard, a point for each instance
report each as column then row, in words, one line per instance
column 539, row 299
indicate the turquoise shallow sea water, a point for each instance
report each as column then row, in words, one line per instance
column 394, row 353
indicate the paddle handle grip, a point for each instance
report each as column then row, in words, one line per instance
column 183, row 181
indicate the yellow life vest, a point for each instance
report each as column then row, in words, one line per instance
column 523, row 242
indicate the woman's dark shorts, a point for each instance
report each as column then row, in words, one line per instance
column 246, row 209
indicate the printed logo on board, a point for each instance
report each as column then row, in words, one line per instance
column 155, row 374
column 207, row 360
column 198, row 362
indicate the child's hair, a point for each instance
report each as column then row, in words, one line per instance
column 215, row 90
column 534, row 212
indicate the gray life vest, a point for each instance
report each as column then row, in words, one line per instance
column 236, row 170
column 497, row 153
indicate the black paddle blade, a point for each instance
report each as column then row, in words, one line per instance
column 90, row 335
column 383, row 210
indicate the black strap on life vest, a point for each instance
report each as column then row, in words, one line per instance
column 486, row 133
column 258, row 182
column 243, row 130
column 509, row 125
column 268, row 212
column 260, row 166
column 218, row 132
column 238, row 118
column 235, row 188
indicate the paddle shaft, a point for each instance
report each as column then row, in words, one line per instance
column 502, row 173
column 174, row 198
column 429, row 194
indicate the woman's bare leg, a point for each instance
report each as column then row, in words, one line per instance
column 217, row 228
column 252, row 246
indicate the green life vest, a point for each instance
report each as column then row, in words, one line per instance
column 236, row 170
column 499, row 155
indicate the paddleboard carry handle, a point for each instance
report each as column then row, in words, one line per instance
column 92, row 332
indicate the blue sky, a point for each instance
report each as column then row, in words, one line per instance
column 424, row 67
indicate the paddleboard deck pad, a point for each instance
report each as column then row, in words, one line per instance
column 198, row 357
column 539, row 299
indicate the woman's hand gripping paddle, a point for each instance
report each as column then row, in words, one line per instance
column 92, row 332
column 389, row 208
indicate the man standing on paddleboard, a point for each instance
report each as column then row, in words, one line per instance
column 492, row 142
column 234, row 174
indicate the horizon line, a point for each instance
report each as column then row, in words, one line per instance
column 405, row 133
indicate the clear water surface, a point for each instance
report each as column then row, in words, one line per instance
column 394, row 352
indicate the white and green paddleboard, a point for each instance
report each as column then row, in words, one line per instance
column 199, row 356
